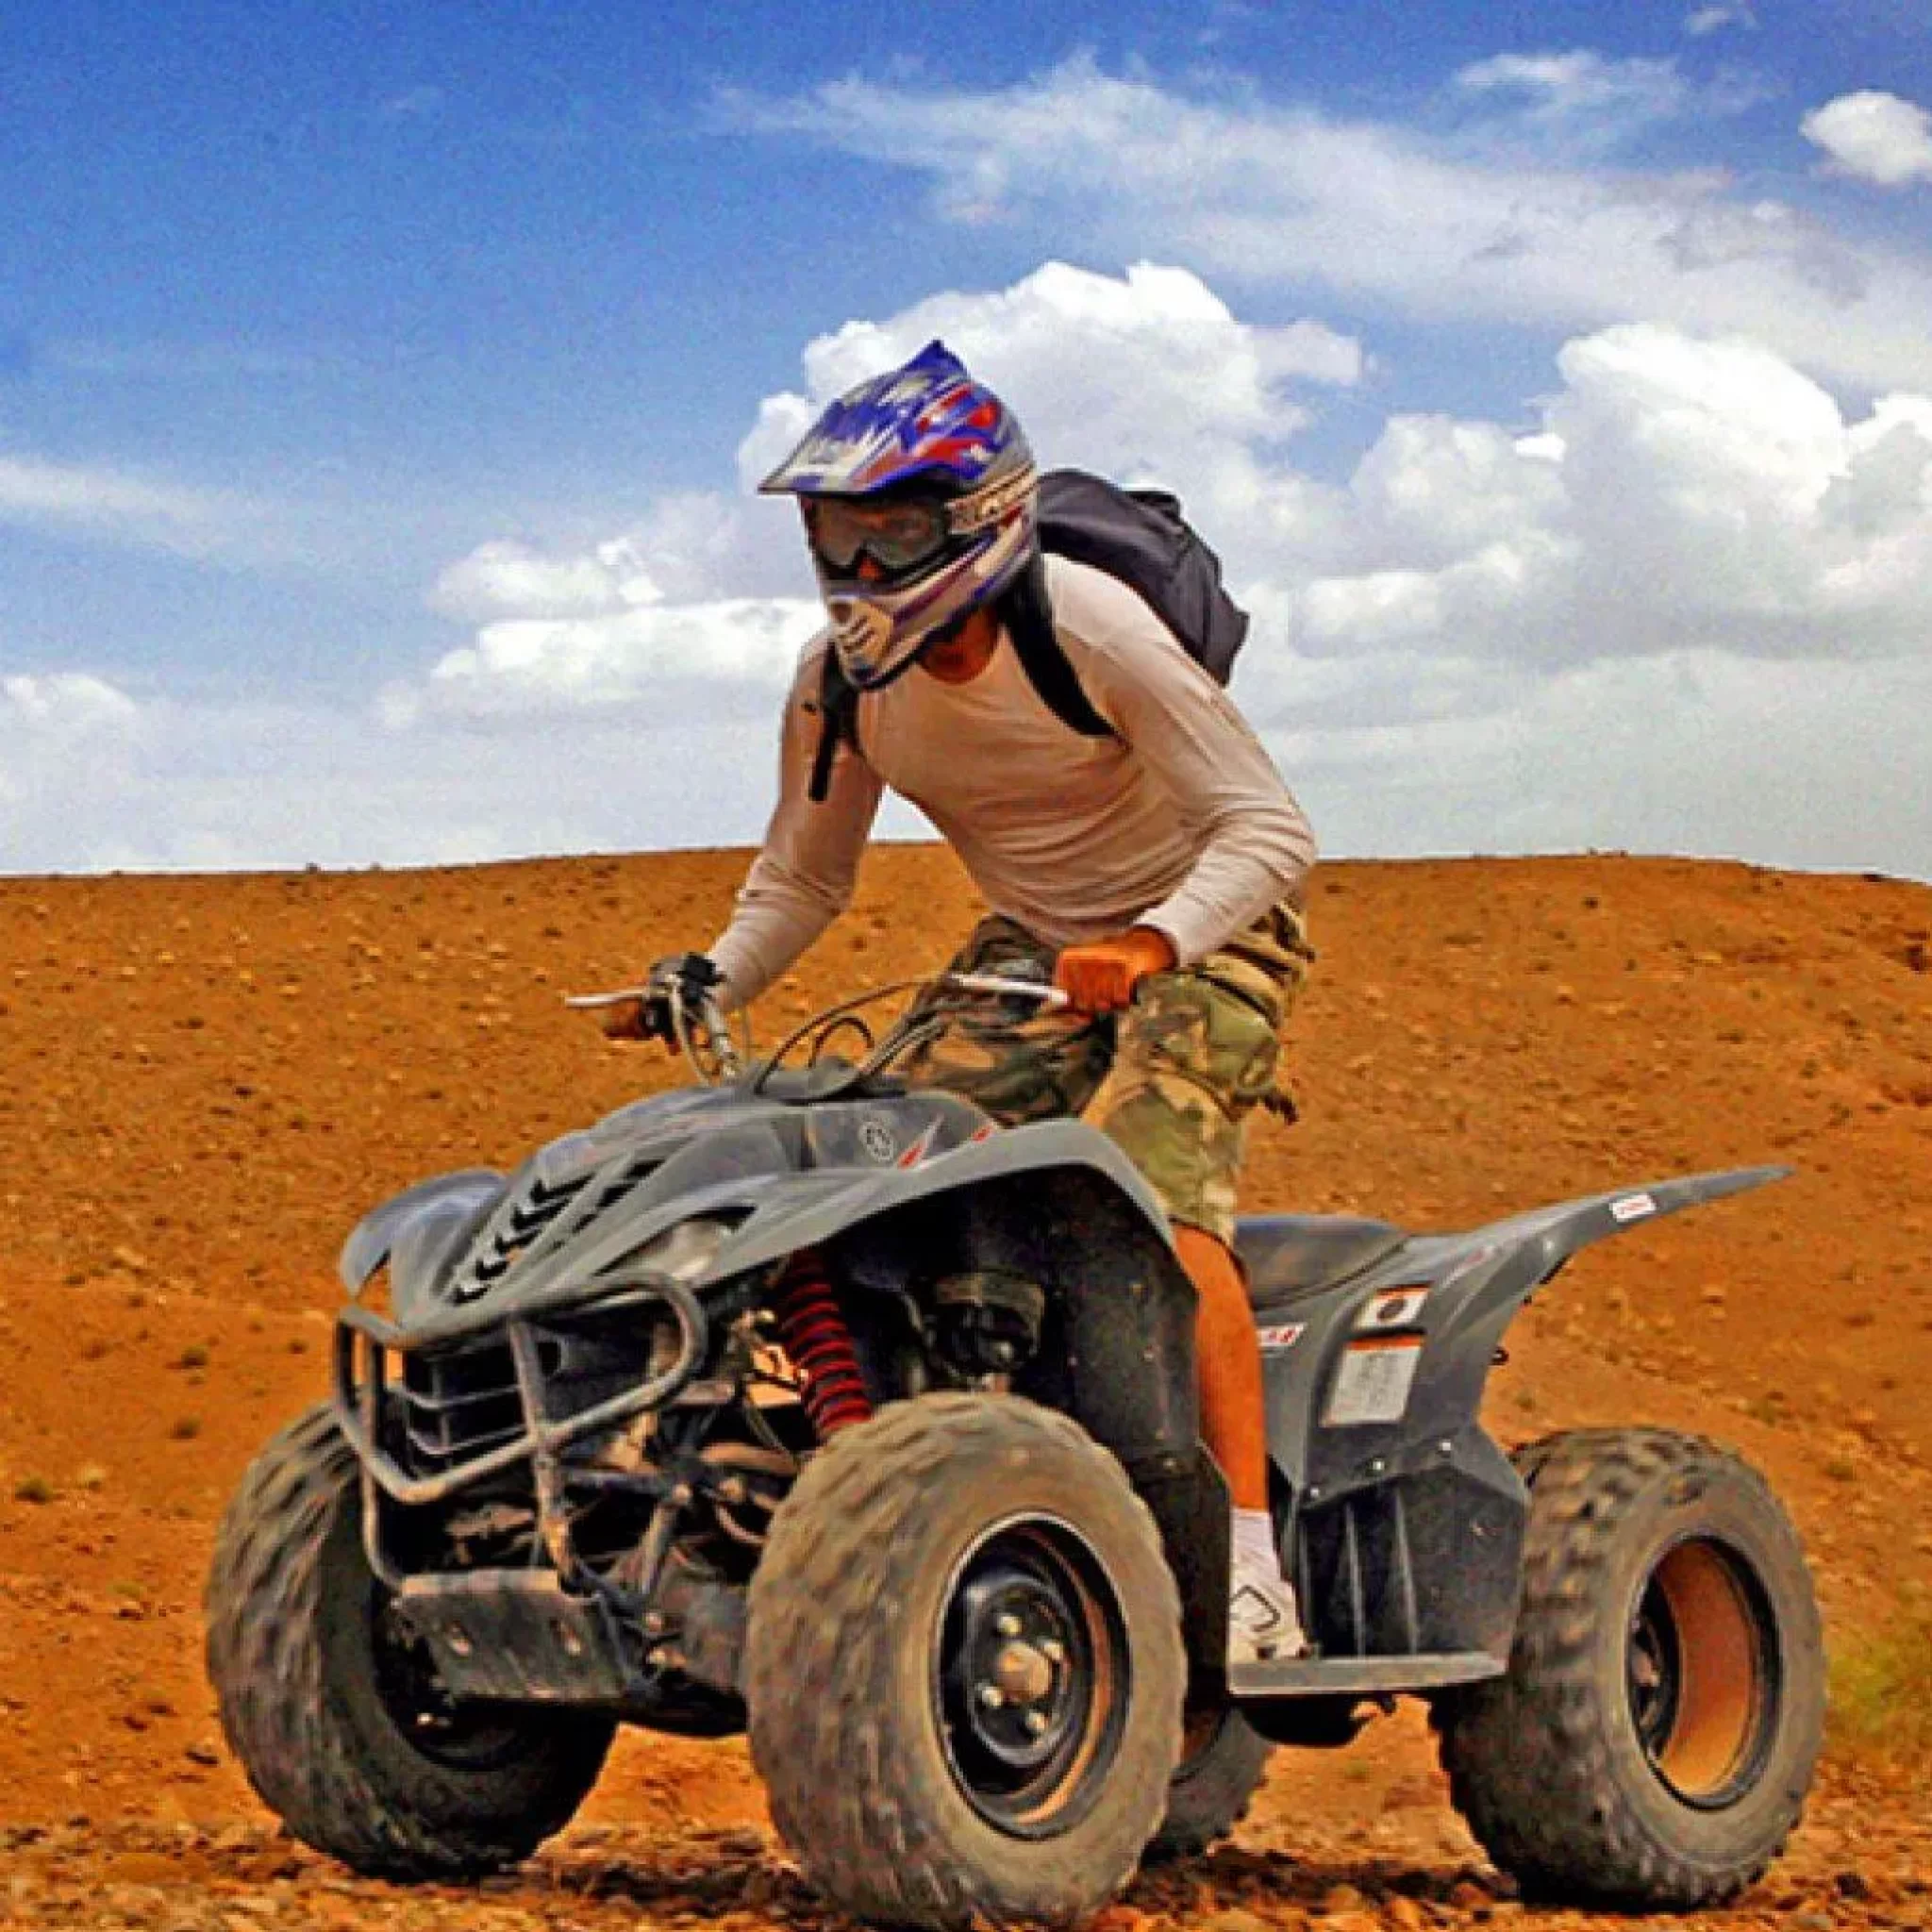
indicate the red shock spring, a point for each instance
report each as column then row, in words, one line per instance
column 821, row 1347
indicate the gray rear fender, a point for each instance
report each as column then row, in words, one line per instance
column 1484, row 1279
column 1375, row 1384
column 1454, row 1295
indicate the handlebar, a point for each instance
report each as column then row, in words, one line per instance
column 702, row 1030
column 704, row 1038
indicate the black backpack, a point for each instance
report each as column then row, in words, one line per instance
column 1138, row 536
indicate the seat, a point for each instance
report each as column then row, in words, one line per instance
column 1288, row 1255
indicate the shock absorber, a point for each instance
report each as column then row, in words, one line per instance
column 820, row 1344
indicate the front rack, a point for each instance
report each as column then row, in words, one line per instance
column 365, row 1343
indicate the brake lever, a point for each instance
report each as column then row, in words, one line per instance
column 587, row 1001
column 1008, row 989
column 701, row 1036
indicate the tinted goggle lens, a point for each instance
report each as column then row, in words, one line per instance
column 896, row 535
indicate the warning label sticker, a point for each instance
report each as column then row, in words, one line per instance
column 1372, row 1382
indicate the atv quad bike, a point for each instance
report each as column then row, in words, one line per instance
column 800, row 1402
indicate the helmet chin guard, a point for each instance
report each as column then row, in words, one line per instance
column 862, row 636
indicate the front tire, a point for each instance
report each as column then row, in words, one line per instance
column 336, row 1720
column 1653, row 1741
column 964, row 1667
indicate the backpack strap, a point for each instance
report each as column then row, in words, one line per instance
column 1028, row 614
column 837, row 724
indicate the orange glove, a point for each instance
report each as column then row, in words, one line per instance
column 1100, row 978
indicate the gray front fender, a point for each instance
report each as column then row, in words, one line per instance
column 803, row 1211
column 732, row 1177
column 436, row 1210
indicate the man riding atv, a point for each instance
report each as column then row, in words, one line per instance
column 1154, row 868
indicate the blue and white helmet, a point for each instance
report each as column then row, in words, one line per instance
column 917, row 490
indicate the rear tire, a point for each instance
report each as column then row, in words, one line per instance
column 1653, row 1741
column 964, row 1667
column 1223, row 1763
column 336, row 1720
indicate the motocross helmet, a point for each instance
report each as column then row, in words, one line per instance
column 916, row 490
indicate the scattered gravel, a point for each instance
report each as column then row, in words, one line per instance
column 1863, row 1861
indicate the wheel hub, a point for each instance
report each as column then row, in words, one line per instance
column 1701, row 1671
column 1023, row 1674
column 1030, row 1679
column 1024, row 1687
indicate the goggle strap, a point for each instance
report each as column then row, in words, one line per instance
column 966, row 515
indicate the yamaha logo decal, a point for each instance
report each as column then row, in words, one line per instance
column 1398, row 1307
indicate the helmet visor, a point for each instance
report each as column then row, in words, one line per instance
column 899, row 537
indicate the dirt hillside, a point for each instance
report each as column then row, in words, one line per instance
column 207, row 1080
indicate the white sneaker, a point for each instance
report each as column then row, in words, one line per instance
column 1263, row 1625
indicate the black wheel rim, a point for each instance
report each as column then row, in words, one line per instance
column 1031, row 1677
column 1702, row 1669
column 461, row 1737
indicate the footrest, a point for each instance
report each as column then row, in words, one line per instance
column 1363, row 1677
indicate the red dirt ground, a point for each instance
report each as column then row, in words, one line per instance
column 209, row 1079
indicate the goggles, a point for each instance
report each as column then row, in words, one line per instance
column 898, row 537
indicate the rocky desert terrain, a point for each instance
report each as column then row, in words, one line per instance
column 207, row 1079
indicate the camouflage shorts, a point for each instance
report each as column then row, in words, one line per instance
column 1173, row 1079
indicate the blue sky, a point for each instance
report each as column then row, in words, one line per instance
column 378, row 385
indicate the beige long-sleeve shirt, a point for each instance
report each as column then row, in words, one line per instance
column 1179, row 822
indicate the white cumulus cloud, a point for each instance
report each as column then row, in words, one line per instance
column 519, row 666
column 1469, row 641
column 1145, row 376
column 1577, row 90
column 1469, row 224
column 108, row 503
column 1701, row 20
column 1675, row 491
column 208, row 785
column 1160, row 334
column 510, row 577
column 1682, row 600
column 65, row 702
column 59, row 732
column 1682, row 493
column 1875, row 136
